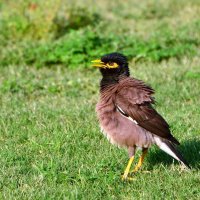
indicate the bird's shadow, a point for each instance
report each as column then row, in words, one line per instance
column 189, row 149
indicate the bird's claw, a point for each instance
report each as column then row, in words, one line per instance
column 126, row 178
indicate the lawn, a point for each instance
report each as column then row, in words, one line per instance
column 50, row 143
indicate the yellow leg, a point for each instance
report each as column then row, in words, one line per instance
column 124, row 177
column 141, row 159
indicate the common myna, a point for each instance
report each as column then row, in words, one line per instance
column 126, row 115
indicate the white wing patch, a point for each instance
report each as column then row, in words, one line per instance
column 132, row 120
column 125, row 115
column 120, row 110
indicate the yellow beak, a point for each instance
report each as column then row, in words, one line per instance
column 98, row 63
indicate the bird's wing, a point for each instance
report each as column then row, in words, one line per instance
column 133, row 100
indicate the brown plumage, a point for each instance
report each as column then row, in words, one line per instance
column 125, row 112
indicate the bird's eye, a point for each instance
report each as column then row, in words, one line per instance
column 111, row 63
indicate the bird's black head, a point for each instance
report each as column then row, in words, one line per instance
column 112, row 66
column 112, row 58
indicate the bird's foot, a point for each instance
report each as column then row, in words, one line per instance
column 125, row 175
column 126, row 172
column 127, row 178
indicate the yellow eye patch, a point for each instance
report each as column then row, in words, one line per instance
column 112, row 65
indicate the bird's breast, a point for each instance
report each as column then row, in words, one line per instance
column 119, row 129
column 106, row 113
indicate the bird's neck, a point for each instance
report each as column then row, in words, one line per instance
column 113, row 76
column 107, row 80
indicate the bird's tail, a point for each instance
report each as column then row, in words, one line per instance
column 170, row 149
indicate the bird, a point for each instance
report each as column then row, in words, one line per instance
column 126, row 113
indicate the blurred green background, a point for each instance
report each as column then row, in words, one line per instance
column 67, row 32
column 50, row 143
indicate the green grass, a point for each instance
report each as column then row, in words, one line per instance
column 72, row 35
column 51, row 145
column 50, row 142
column 78, row 47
